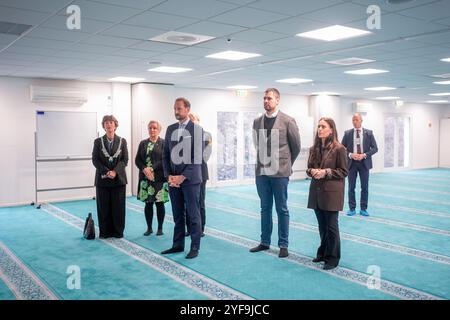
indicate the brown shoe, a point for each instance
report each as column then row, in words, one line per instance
column 259, row 247
column 283, row 253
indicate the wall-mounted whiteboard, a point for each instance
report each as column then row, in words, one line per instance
column 62, row 134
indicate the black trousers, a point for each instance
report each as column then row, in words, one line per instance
column 185, row 201
column 111, row 211
column 202, row 208
column 330, row 243
column 160, row 214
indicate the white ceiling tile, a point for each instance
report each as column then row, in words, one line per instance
column 445, row 21
column 30, row 50
column 338, row 14
column 200, row 9
column 222, row 44
column 21, row 16
column 293, row 7
column 90, row 48
column 248, row 17
column 156, row 46
column 6, row 39
column 49, row 6
column 133, row 32
column 212, row 29
column 429, row 12
column 87, row 25
column 43, row 43
column 386, row 7
column 54, row 34
column 157, row 20
column 137, row 4
column 110, row 41
column 134, row 53
column 104, row 12
column 292, row 26
column 257, row 36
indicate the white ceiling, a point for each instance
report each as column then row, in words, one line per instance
column 113, row 41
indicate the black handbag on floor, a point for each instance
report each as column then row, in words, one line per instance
column 89, row 228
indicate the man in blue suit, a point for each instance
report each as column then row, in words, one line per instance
column 361, row 146
column 182, row 161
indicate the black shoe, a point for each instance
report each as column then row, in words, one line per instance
column 172, row 250
column 159, row 232
column 203, row 234
column 148, row 232
column 283, row 253
column 192, row 254
column 259, row 247
column 328, row 267
column 187, row 234
column 318, row 260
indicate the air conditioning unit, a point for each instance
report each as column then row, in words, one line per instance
column 58, row 94
column 362, row 107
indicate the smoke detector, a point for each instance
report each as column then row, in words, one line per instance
column 181, row 38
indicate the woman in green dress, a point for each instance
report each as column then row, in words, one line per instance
column 152, row 187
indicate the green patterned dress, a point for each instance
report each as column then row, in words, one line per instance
column 152, row 191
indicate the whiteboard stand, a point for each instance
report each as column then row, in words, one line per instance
column 36, row 160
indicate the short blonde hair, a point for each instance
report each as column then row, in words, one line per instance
column 109, row 118
column 156, row 122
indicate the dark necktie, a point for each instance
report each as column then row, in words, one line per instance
column 358, row 145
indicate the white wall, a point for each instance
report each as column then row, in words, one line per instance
column 18, row 115
column 425, row 120
column 135, row 105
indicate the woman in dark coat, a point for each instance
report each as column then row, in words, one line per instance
column 152, row 187
column 110, row 157
column 327, row 166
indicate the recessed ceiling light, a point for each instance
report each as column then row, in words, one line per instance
column 349, row 61
column 233, row 55
column 333, row 33
column 126, row 79
column 444, row 75
column 379, row 88
column 440, row 94
column 169, row 69
column 324, row 93
column 387, row 98
column 446, row 59
column 241, row 87
column 366, row 71
column 437, row 101
column 442, row 82
column 294, row 80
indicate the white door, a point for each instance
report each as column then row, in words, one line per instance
column 444, row 143
column 396, row 141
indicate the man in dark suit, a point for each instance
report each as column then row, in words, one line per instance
column 182, row 159
column 277, row 140
column 205, row 175
column 361, row 146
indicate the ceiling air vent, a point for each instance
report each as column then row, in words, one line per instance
column 181, row 38
column 15, row 29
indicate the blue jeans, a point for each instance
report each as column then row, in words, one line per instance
column 270, row 188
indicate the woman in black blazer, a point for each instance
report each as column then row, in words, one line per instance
column 152, row 187
column 327, row 166
column 110, row 157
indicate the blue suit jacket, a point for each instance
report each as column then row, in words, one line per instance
column 369, row 146
column 192, row 140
